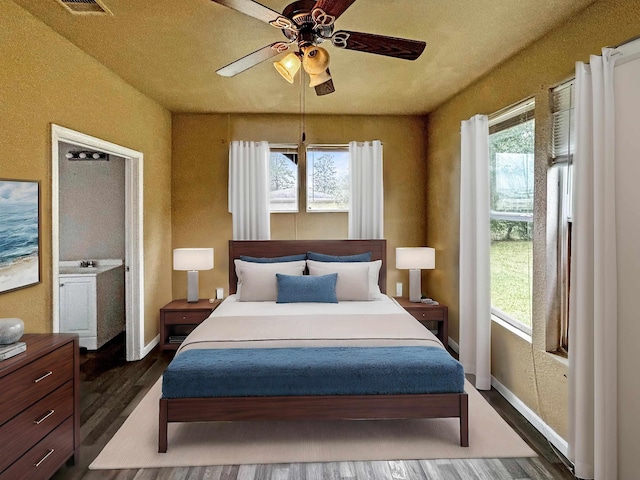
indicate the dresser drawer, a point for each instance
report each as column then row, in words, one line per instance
column 46, row 457
column 25, row 386
column 35, row 423
column 187, row 317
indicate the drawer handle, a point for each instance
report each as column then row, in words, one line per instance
column 47, row 415
column 47, row 455
column 43, row 377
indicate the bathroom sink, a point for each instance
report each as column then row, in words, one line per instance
column 76, row 270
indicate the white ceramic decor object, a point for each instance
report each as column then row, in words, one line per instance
column 11, row 329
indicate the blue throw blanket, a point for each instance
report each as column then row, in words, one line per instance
column 259, row 372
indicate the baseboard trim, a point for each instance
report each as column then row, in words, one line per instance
column 149, row 346
column 454, row 346
column 549, row 433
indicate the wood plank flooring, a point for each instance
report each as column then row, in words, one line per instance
column 112, row 387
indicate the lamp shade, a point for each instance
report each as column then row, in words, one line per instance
column 423, row 258
column 319, row 79
column 315, row 62
column 193, row 258
column 288, row 67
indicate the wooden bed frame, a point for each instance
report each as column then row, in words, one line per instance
column 326, row 407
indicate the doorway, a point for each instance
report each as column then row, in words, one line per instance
column 133, row 261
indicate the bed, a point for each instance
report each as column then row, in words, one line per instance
column 344, row 360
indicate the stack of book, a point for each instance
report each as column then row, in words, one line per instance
column 8, row 351
column 429, row 301
column 177, row 338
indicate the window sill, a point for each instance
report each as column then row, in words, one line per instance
column 327, row 211
column 559, row 358
column 511, row 328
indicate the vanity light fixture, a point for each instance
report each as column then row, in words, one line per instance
column 87, row 155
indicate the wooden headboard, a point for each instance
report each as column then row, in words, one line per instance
column 279, row 248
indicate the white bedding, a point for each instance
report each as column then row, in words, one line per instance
column 380, row 322
column 382, row 306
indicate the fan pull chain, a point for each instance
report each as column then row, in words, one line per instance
column 303, row 135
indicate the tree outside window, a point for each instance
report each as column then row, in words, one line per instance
column 283, row 174
column 327, row 179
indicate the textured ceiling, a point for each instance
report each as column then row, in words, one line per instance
column 170, row 50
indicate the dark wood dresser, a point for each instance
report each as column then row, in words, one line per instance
column 40, row 407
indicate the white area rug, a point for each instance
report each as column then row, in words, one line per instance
column 135, row 445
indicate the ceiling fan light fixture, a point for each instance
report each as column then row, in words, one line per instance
column 308, row 23
column 288, row 67
column 319, row 79
column 315, row 61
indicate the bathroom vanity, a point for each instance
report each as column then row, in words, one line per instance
column 92, row 301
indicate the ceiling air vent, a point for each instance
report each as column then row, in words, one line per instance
column 84, row 6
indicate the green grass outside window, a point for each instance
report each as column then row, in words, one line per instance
column 511, row 276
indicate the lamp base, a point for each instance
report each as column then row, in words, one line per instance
column 415, row 279
column 192, row 286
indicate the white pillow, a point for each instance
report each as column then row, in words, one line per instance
column 352, row 283
column 337, row 267
column 257, row 281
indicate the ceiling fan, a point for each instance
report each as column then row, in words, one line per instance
column 308, row 23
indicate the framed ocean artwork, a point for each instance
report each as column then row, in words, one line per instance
column 19, row 234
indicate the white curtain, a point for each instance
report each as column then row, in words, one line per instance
column 366, row 210
column 593, row 298
column 249, row 190
column 475, row 278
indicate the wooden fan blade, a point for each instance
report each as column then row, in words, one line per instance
column 256, row 10
column 253, row 59
column 334, row 8
column 379, row 44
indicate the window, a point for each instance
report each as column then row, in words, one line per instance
column 511, row 160
column 328, row 178
column 562, row 148
column 283, row 174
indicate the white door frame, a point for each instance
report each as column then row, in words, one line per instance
column 134, row 248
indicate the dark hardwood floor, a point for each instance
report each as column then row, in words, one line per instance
column 112, row 387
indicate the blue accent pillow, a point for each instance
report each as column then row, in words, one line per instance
column 287, row 258
column 321, row 257
column 306, row 288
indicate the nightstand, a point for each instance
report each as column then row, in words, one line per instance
column 425, row 313
column 178, row 319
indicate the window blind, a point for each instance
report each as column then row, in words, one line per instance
column 288, row 150
column 562, row 129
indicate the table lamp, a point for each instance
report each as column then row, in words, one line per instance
column 192, row 260
column 414, row 259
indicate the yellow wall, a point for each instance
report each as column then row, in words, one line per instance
column 200, row 174
column 532, row 72
column 44, row 79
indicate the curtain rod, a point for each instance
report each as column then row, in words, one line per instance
column 315, row 145
column 631, row 40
